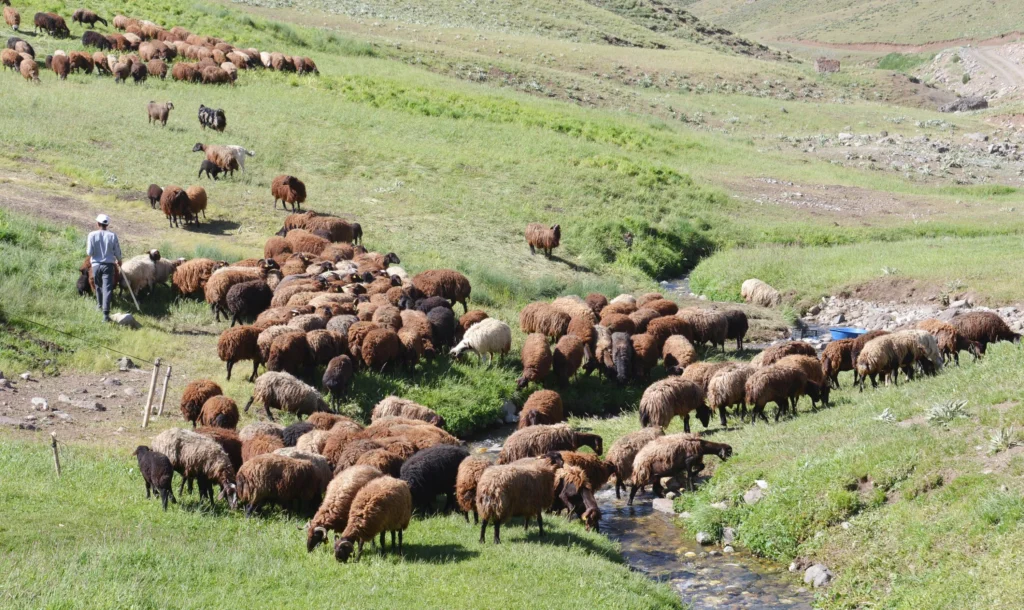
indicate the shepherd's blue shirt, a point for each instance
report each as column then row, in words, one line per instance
column 103, row 247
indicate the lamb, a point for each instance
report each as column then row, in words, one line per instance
column 487, row 337
column 539, row 236
column 159, row 112
column 246, row 300
column 174, row 203
column 219, row 411
column 154, row 194
column 727, row 388
column 338, row 377
column 432, row 472
column 836, row 358
column 708, row 326
column 192, row 276
column 678, row 353
column 537, row 360
column 671, row 455
column 543, row 407
column 196, row 202
column 774, row 353
column 818, row 385
column 544, row 318
column 534, row 441
column 516, row 490
column 442, row 326
column 196, row 394
column 672, row 396
column 567, row 359
column 624, row 451
column 393, row 406
column 279, row 479
column 382, row 505
column 157, row 473
column 737, row 326
column 195, row 456
column 334, row 510
column 12, row 17
column 286, row 393
column 782, row 385
column 984, row 327
column 759, row 293
column 466, row 482
column 290, row 190
column 87, row 17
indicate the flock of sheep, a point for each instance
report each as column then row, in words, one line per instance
column 148, row 51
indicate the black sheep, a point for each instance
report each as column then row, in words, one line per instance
column 82, row 285
column 212, row 169
column 154, row 193
column 432, row 472
column 292, row 433
column 442, row 326
column 248, row 299
column 338, row 377
column 95, row 39
column 12, row 43
column 157, row 472
column 425, row 305
column 622, row 355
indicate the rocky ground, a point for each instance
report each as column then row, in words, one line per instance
column 840, row 311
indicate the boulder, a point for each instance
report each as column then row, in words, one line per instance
column 965, row 104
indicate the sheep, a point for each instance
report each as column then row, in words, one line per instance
column 52, row 23
column 228, row 439
column 159, row 112
column 574, row 493
column 138, row 273
column 672, row 396
column 157, row 68
column 544, row 318
column 583, row 329
column 99, row 61
column 466, row 481
column 260, row 444
column 154, row 194
column 949, row 339
column 196, row 394
column 539, row 236
column 338, row 377
column 61, row 66
column 642, row 317
column 624, row 304
column 240, row 153
column 195, row 456
column 645, row 355
column 708, row 326
column 139, row 72
column 622, row 357
column 383, row 505
column 442, row 326
column 666, row 326
column 516, row 490
column 386, row 461
column 836, row 358
column 467, row 320
column 444, row 283
column 624, row 450
column 380, row 347
column 325, row 345
column 596, row 302
column 537, row 360
column 10, row 58
column 419, row 435
column 289, row 353
column 782, row 385
column 313, row 441
column 984, row 327
column 818, row 385
column 426, row 305
column 12, row 17
column 219, row 411
column 286, row 393
column 327, row 421
column 487, row 337
column 727, row 388
column 222, row 156
column 87, row 17
column 324, row 474
column 567, row 358
column 291, row 434
column 534, row 441
column 393, row 406
column 543, row 407
column 214, row 118
column 597, row 471
column 157, row 473
column 29, row 69
column 432, row 472
column 670, row 455
column 677, row 354
column 246, row 300
column 759, row 293
column 212, row 171
column 288, row 190
column 185, row 72
column 663, row 306
column 774, row 353
column 334, row 510
column 279, row 479
column 192, row 276
column 262, row 427
column 927, row 353
column 858, row 346
column 737, row 326
column 174, row 203
column 618, row 323
column 196, row 202
column 220, row 282
column 121, row 72
column 80, row 61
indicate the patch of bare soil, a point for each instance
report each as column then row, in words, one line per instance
column 904, row 90
column 1000, row 461
column 893, row 290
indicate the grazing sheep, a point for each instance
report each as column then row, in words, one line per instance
column 678, row 353
column 782, row 385
column 858, row 346
column 327, row 421
column 467, row 320
column 534, row 441
column 157, row 68
column 29, row 70
column 487, row 337
column 759, row 293
column 87, row 17
column 624, row 451
column 157, row 473
column 139, row 72
column 185, row 72
column 12, row 17
column 574, row 493
column 222, row 156
column 286, row 481
column 425, row 306
column 313, row 441
column 159, row 112
column 442, row 326
column 293, row 432
column 645, row 355
column 228, row 439
column 622, row 357
column 444, row 283
column 432, row 472
column 466, row 481
column 220, row 282
column 596, row 302
column 642, row 317
column 121, row 72
column 516, row 490
column 260, row 444
column 818, row 385
column 708, row 326
column 774, row 353
column 154, row 194
column 671, row 455
column 984, row 327
column 61, row 66
column 543, row 407
column 338, row 377
column 246, row 300
column 544, row 318
column 737, row 326
column 596, row 470
column 288, row 190
column 836, row 358
column 672, row 396
column 663, row 306
column 174, row 203
column 261, row 427
column 214, row 118
column 618, row 323
column 537, row 360
column 196, row 202
column 381, row 347
column 192, row 276
column 196, row 394
column 383, row 505
column 567, row 358
column 727, row 388
column 334, row 510
column 539, row 236
column 195, row 456
column 220, row 412
column 949, row 340
column 10, row 58
column 666, row 326
column 286, row 393
column 289, row 353
column 927, row 353
column 393, row 406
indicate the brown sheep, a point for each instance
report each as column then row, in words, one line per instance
column 290, row 353
column 858, row 346
column 624, row 451
column 597, row 471
column 708, row 326
column 80, row 62
column 622, row 307
column 677, row 353
column 191, row 276
column 776, row 352
column 260, row 444
column 534, row 441
column 196, row 201
column 99, row 61
column 288, row 190
column 702, row 372
column 983, row 327
column 836, row 358
column 949, row 339
column 516, row 490
column 121, row 72
column 29, row 69
column 185, row 72
column 215, row 75
column 567, row 358
column 545, row 319
column 642, row 317
column 539, row 236
column 663, row 306
column 618, row 323
column 671, row 397
column 239, row 343
column 382, row 505
column 782, row 385
column 174, row 203
column 596, row 302
column 153, row 194
column 666, row 326
column 393, row 406
column 334, row 510
column 12, row 17
column 737, row 326
column 10, row 59
column 469, row 319
column 537, row 360
column 645, row 355
column 61, row 66
column 220, row 412
column 543, row 407
column 727, row 388
column 444, row 283
column 381, row 347
column 671, row 455
column 157, row 68
column 466, row 481
column 818, row 384
column 195, row 396
column 139, row 72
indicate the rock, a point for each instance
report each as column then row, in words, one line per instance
column 965, row 104
column 26, row 376
column 728, row 535
column 126, row 319
column 704, row 538
column 753, row 495
column 684, row 515
column 845, row 137
column 39, row 404
column 845, row 525
column 65, row 417
column 818, row 575
column 5, row 383
column 720, row 505
column 814, row 310
column 761, row 483
column 125, row 364
column 663, row 505
column 839, row 319
column 689, row 554
column 112, row 381
column 714, row 553
column 87, row 405
column 947, row 315
column 671, row 495
column 129, row 391
column 509, row 412
column 30, row 418
column 728, row 549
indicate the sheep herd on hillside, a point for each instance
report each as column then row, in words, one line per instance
column 148, row 50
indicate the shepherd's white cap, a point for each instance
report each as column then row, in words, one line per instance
column 103, row 219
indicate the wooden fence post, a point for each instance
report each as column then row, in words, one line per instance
column 152, row 390
column 56, row 455
column 163, row 392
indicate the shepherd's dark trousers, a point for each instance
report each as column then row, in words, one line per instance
column 103, row 274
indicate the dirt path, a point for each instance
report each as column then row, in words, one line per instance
column 993, row 60
column 890, row 47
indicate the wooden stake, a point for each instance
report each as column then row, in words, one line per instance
column 152, row 390
column 56, row 455
column 163, row 392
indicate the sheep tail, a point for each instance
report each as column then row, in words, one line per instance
column 645, row 419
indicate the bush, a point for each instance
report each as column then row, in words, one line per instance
column 966, row 79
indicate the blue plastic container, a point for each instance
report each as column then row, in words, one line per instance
column 846, row 332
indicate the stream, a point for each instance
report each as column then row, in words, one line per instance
column 652, row 544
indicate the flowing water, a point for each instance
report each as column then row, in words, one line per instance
column 652, row 544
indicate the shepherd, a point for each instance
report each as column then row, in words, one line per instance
column 104, row 252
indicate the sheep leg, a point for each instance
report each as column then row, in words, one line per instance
column 686, row 423
column 266, row 408
column 532, row 251
column 721, row 415
column 382, row 543
column 540, row 523
column 476, row 519
column 657, row 488
column 632, row 493
column 618, row 484
column 526, row 524
column 163, row 498
column 392, row 541
column 255, row 367
column 497, row 532
column 230, row 364
column 399, row 542
column 483, row 530
column 147, row 489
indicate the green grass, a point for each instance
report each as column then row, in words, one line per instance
column 935, row 521
column 92, row 540
column 903, row 62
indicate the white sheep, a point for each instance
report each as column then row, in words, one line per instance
column 265, row 59
column 488, row 336
column 240, row 154
column 139, row 272
column 394, row 270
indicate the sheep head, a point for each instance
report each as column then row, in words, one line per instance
column 704, row 415
column 343, row 549
column 315, row 537
column 392, row 259
column 199, row 147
